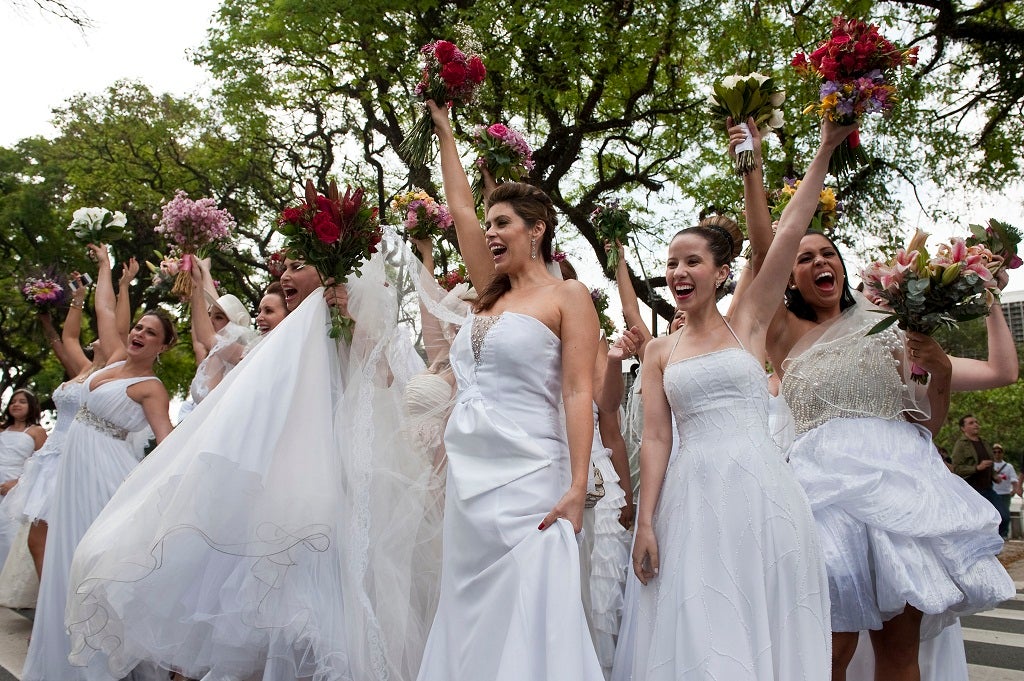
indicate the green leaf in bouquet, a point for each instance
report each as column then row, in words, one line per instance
column 884, row 324
column 918, row 286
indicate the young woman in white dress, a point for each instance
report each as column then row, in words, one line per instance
column 510, row 604
column 726, row 546
column 20, row 436
column 906, row 555
column 122, row 398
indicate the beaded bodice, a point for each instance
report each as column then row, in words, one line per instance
column 853, row 376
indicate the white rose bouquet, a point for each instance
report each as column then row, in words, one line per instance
column 743, row 97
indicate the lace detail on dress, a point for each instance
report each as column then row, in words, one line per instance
column 854, row 376
column 481, row 325
column 101, row 424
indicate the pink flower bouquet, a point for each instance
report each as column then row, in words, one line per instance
column 43, row 293
column 192, row 228
column 421, row 215
column 922, row 293
column 503, row 151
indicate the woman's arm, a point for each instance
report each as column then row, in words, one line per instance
column 1001, row 368
column 459, row 196
column 71, row 354
column 577, row 329
column 38, row 434
column 755, row 200
column 106, row 313
column 926, row 352
column 204, row 337
column 433, row 335
column 630, row 306
column 611, row 436
column 654, row 452
column 156, row 405
column 124, row 303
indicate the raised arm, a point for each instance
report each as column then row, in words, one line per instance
column 459, row 196
column 124, row 303
column 761, row 301
column 434, row 341
column 71, row 354
column 630, row 304
column 204, row 337
column 1001, row 368
column 106, row 313
column 755, row 200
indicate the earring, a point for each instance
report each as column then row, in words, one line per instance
column 718, row 284
column 533, row 248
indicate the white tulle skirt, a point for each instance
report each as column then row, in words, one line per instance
column 896, row 526
column 32, row 497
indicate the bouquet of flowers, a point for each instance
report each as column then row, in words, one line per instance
column 275, row 264
column 450, row 280
column 449, row 76
column 600, row 298
column 43, row 292
column 612, row 226
column 98, row 225
column 826, row 215
column 1002, row 239
column 855, row 68
column 922, row 293
column 742, row 97
column 503, row 151
column 422, row 216
column 192, row 228
column 334, row 234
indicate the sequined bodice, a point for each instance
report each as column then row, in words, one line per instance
column 854, row 376
column 108, row 409
column 68, row 398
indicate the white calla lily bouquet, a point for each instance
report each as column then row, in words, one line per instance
column 754, row 95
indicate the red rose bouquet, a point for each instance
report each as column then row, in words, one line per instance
column 449, row 76
column 421, row 215
column 192, row 228
column 504, row 152
column 856, row 68
column 450, row 280
column 275, row 264
column 923, row 293
column 335, row 234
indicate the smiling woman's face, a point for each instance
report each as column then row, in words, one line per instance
column 298, row 281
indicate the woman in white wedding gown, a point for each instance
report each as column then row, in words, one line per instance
column 276, row 530
column 510, row 605
column 734, row 581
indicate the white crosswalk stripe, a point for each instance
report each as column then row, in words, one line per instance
column 994, row 642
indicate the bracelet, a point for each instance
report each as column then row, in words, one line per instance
column 79, row 306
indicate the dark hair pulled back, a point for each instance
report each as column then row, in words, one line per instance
column 795, row 302
column 723, row 236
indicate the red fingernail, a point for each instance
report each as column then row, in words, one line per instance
column 541, row 526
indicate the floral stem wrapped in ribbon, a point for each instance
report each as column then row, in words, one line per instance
column 335, row 234
column 743, row 97
column 503, row 151
column 855, row 68
column 1002, row 239
column 826, row 215
column 612, row 226
column 98, row 225
column 43, row 292
column 450, row 76
column 922, row 293
column 422, row 216
column 192, row 228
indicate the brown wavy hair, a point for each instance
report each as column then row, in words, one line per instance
column 531, row 204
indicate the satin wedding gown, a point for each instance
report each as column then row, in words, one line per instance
column 510, row 605
column 742, row 592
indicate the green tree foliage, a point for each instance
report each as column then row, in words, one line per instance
column 998, row 411
column 612, row 95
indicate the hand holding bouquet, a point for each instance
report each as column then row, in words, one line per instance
column 855, row 67
column 503, row 151
column 612, row 226
column 744, row 97
column 422, row 216
column 923, row 293
column 192, row 228
column 450, row 76
column 1002, row 239
column 98, row 225
column 335, row 234
column 826, row 215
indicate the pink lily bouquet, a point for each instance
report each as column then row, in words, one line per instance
column 450, row 76
column 924, row 293
column 612, row 226
column 43, row 292
column 856, row 67
column 743, row 97
column 1002, row 239
column 422, row 216
column 335, row 234
column 192, row 229
column 504, row 152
